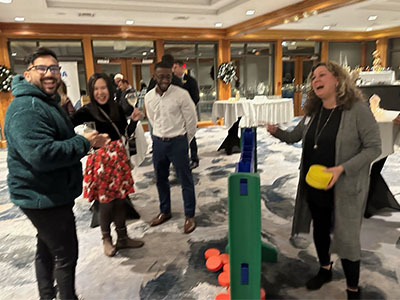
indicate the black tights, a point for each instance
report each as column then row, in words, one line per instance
column 321, row 207
column 113, row 211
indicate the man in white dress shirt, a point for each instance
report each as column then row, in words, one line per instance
column 172, row 114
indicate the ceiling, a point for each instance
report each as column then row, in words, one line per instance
column 200, row 13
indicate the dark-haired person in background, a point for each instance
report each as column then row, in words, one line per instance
column 172, row 113
column 189, row 84
column 45, row 172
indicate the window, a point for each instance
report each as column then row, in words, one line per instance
column 66, row 51
column 201, row 60
column 254, row 66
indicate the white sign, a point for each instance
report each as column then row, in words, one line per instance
column 69, row 74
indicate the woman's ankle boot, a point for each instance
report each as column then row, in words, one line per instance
column 125, row 242
column 109, row 248
column 320, row 279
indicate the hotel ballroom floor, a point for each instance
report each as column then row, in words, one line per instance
column 171, row 264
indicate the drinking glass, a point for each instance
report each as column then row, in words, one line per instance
column 89, row 126
column 132, row 98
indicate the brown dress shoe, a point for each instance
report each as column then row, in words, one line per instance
column 190, row 225
column 161, row 218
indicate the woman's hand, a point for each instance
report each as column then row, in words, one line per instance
column 336, row 172
column 271, row 128
column 97, row 140
column 136, row 114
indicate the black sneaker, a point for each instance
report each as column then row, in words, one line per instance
column 354, row 295
column 320, row 279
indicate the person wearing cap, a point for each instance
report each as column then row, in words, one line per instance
column 339, row 132
column 117, row 78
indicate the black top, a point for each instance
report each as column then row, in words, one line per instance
column 326, row 143
column 190, row 84
column 85, row 114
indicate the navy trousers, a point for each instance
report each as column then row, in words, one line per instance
column 175, row 151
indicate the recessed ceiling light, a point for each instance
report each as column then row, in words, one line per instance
column 368, row 29
column 218, row 25
column 6, row 1
column 19, row 19
column 315, row 12
column 284, row 43
column 129, row 22
column 326, row 27
column 14, row 54
column 293, row 43
column 151, row 50
column 296, row 18
column 144, row 53
column 250, row 12
column 306, row 14
column 372, row 18
column 286, row 21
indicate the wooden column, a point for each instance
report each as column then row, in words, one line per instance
column 88, row 55
column 382, row 46
column 363, row 63
column 324, row 51
column 224, row 55
column 5, row 98
column 159, row 49
column 278, row 68
column 138, row 75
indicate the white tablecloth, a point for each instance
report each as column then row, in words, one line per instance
column 390, row 133
column 253, row 112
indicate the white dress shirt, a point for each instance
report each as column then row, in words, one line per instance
column 172, row 114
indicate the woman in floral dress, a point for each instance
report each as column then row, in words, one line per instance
column 107, row 177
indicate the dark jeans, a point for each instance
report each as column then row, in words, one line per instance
column 176, row 151
column 321, row 207
column 193, row 150
column 56, row 251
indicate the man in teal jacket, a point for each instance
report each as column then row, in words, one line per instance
column 45, row 173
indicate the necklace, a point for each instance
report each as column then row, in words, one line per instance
column 318, row 134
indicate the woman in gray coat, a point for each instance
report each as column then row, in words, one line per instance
column 339, row 132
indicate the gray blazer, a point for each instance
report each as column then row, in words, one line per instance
column 358, row 143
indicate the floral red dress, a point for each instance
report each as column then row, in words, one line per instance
column 107, row 174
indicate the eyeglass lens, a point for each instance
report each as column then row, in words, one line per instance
column 54, row 69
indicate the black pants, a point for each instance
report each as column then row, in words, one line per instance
column 56, row 251
column 113, row 211
column 321, row 207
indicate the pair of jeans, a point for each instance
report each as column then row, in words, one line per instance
column 56, row 251
column 173, row 150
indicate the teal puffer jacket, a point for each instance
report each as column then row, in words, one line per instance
column 43, row 150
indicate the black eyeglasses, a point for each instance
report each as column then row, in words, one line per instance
column 54, row 69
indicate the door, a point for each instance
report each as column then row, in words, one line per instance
column 295, row 72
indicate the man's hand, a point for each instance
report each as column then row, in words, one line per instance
column 97, row 140
column 136, row 114
column 397, row 120
column 271, row 128
column 336, row 172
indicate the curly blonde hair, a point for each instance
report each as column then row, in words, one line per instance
column 347, row 92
